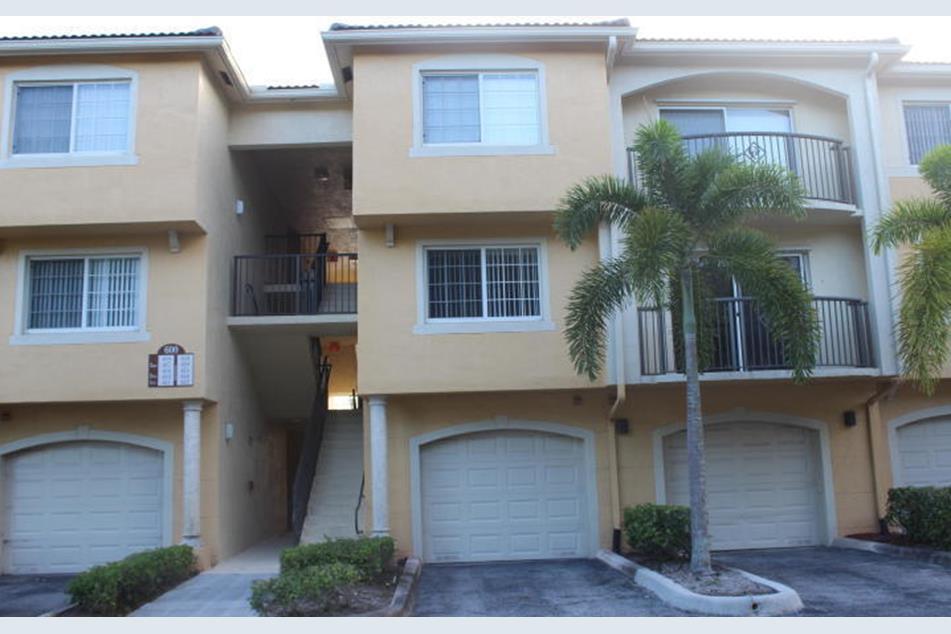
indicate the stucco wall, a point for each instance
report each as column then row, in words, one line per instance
column 388, row 181
column 391, row 359
column 159, row 189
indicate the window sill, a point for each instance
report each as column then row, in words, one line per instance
column 68, row 160
column 464, row 327
column 64, row 338
column 481, row 150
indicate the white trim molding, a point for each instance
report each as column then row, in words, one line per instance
column 476, row 63
column 22, row 336
column 909, row 418
column 67, row 73
column 84, row 433
column 426, row 326
column 504, row 423
column 741, row 415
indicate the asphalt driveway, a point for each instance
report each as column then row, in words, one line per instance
column 845, row 582
column 29, row 595
column 576, row 587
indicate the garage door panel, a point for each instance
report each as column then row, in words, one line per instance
column 763, row 486
column 924, row 453
column 519, row 496
column 73, row 505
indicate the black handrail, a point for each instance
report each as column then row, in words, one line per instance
column 356, row 511
column 740, row 341
column 823, row 164
column 313, row 439
column 294, row 284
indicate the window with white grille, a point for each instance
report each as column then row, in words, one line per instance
column 926, row 126
column 71, row 118
column 486, row 282
column 83, row 293
column 486, row 108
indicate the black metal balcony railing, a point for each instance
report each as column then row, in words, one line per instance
column 294, row 284
column 741, row 341
column 823, row 164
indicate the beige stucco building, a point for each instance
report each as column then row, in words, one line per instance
column 229, row 312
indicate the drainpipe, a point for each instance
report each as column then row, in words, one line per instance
column 878, row 451
column 614, row 475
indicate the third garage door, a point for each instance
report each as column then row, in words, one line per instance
column 763, row 484
column 501, row 495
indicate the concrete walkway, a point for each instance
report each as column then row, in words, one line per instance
column 843, row 582
column 225, row 589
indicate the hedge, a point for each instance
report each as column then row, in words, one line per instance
column 658, row 531
column 117, row 588
column 369, row 555
column 923, row 514
column 305, row 592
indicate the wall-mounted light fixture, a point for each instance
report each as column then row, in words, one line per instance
column 174, row 245
column 849, row 418
column 239, row 207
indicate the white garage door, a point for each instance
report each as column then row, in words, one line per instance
column 69, row 506
column 505, row 495
column 763, row 484
column 924, row 453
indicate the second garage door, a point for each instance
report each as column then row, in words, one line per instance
column 763, row 484
column 503, row 495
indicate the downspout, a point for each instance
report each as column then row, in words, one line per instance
column 878, row 449
column 620, row 396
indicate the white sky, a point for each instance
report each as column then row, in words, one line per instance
column 287, row 49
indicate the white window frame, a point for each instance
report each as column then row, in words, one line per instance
column 425, row 325
column 23, row 335
column 478, row 64
column 905, row 141
column 61, row 76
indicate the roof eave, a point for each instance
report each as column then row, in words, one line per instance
column 641, row 48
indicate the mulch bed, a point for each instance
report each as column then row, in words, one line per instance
column 361, row 599
column 724, row 582
column 895, row 539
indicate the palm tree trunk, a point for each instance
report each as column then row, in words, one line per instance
column 696, row 469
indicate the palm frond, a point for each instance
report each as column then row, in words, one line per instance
column 656, row 244
column 935, row 167
column 781, row 298
column 600, row 292
column 597, row 199
column 702, row 169
column 662, row 162
column 907, row 222
column 743, row 190
column 924, row 325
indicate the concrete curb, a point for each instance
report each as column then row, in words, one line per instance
column 404, row 597
column 905, row 552
column 60, row 611
column 784, row 601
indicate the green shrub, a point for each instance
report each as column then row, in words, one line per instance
column 305, row 592
column 923, row 514
column 658, row 531
column 369, row 555
column 119, row 587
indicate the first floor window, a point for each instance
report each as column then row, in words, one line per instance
column 492, row 282
column 72, row 117
column 927, row 126
column 84, row 292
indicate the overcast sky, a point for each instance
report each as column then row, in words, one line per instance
column 287, row 50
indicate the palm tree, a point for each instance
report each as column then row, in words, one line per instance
column 681, row 228
column 924, row 226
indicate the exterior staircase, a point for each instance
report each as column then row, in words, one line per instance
column 337, row 481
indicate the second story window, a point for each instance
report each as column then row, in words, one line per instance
column 488, row 108
column 83, row 293
column 927, row 126
column 71, row 118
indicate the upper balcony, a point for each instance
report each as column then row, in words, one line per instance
column 823, row 164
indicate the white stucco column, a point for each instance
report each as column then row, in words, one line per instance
column 379, row 476
column 191, row 477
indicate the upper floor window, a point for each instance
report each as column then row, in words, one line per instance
column 492, row 285
column 75, row 117
column 479, row 105
column 69, row 115
column 927, row 126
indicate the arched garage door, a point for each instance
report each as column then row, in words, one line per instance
column 501, row 495
column 763, row 483
column 924, row 453
column 73, row 505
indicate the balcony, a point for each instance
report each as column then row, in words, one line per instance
column 823, row 164
column 295, row 284
column 741, row 342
